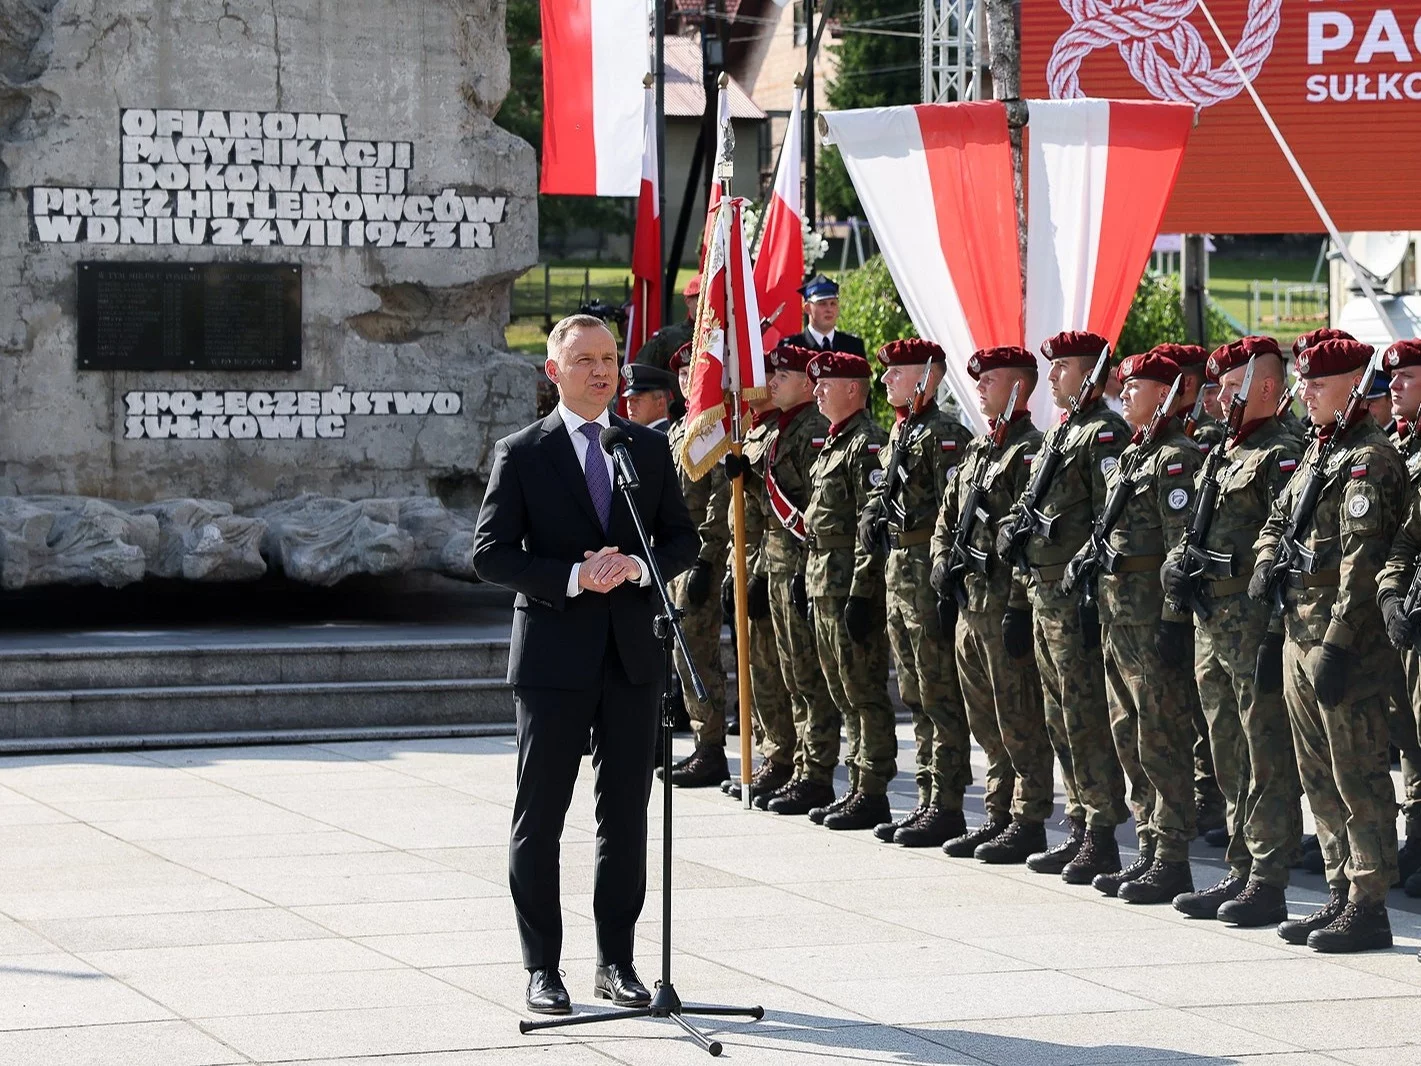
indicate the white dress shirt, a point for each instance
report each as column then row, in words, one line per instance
column 819, row 338
column 580, row 446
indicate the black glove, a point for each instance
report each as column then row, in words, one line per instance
column 736, row 465
column 698, row 584
column 1330, row 678
column 938, row 579
column 1268, row 670
column 1089, row 618
column 757, row 597
column 798, row 596
column 1175, row 642
column 947, row 614
column 858, row 618
column 1070, row 580
column 1258, row 583
column 1399, row 629
column 1174, row 582
column 727, row 596
column 869, row 526
column 1003, row 543
column 1016, row 632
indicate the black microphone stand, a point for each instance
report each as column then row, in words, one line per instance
column 665, row 1003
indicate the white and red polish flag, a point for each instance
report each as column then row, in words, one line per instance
column 594, row 58
column 779, row 266
column 646, row 244
column 1099, row 174
column 936, row 183
column 728, row 359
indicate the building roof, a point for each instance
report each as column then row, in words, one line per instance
column 685, row 90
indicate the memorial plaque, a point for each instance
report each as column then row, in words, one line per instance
column 189, row 316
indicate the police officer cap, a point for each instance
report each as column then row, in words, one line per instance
column 1402, row 353
column 1381, row 386
column 837, row 365
column 1073, row 343
column 1317, row 336
column 1333, row 356
column 819, row 288
column 998, row 358
column 643, row 377
column 911, row 351
column 790, row 357
column 1151, row 366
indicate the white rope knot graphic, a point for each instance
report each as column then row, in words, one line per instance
column 1161, row 48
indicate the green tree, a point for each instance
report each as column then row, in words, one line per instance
column 1157, row 317
column 873, row 310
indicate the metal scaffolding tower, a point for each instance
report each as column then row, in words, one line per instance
column 952, row 67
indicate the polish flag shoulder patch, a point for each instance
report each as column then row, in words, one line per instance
column 816, row 442
column 1105, row 436
column 1358, row 470
column 1173, row 469
column 873, row 449
column 949, row 445
column 1027, row 459
column 1287, row 466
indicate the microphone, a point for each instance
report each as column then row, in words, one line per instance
column 614, row 441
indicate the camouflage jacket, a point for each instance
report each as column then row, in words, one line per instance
column 936, row 444
column 1005, row 477
column 1358, row 511
column 1395, row 577
column 1094, row 441
column 1209, row 432
column 845, row 473
column 1406, row 444
column 662, row 345
column 790, row 452
column 705, row 499
column 757, row 443
column 1155, row 517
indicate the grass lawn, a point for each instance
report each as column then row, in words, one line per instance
column 1230, row 284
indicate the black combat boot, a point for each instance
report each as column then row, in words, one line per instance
column 885, row 830
column 705, row 768
column 963, row 846
column 1209, row 814
column 679, row 764
column 861, row 812
column 1408, row 856
column 1100, row 854
column 1297, row 930
column 769, row 777
column 1309, row 856
column 1014, row 845
column 1159, row 884
column 1413, row 885
column 1257, row 905
column 801, row 797
column 761, row 800
column 1109, row 884
column 1360, row 927
column 820, row 811
column 1054, row 860
column 1218, row 837
column 934, row 827
column 1206, row 904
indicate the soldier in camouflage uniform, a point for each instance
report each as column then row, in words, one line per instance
column 797, row 437
column 1149, row 649
column 1403, row 360
column 667, row 341
column 900, row 516
column 1002, row 695
column 696, row 593
column 1067, row 639
column 1338, row 669
column 847, row 593
column 1249, row 731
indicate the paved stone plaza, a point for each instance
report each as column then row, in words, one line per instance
column 348, row 903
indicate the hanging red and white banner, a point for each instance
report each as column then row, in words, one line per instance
column 936, row 183
column 1099, row 173
column 728, row 360
column 594, row 58
column 646, row 245
column 779, row 266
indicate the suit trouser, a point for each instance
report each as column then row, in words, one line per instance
column 553, row 727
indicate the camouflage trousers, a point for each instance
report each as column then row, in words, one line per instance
column 1207, row 793
column 773, row 716
column 857, row 677
column 1152, row 723
column 1006, row 714
column 1252, row 743
column 1344, row 765
column 1077, row 719
column 927, row 681
column 702, row 626
column 799, row 666
column 1404, row 735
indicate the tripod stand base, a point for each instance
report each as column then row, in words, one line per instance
column 665, row 1003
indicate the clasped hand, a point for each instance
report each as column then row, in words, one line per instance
column 605, row 569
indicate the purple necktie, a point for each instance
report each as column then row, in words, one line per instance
column 599, row 486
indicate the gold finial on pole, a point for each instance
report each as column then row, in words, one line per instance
column 648, row 79
column 724, row 80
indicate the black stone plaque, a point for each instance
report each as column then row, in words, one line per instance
column 189, row 316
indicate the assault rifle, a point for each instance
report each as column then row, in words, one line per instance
column 1288, row 394
column 1191, row 420
column 1029, row 518
column 1096, row 554
column 1291, row 555
column 961, row 555
column 897, row 471
column 1198, row 562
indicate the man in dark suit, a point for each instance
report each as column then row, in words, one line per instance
column 821, row 298
column 583, row 655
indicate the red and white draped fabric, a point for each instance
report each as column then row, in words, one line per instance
column 725, row 147
column 1099, row 174
column 728, row 360
column 594, row 58
column 779, row 266
column 645, row 316
column 936, row 183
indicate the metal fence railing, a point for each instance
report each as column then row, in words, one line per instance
column 547, row 293
column 1286, row 303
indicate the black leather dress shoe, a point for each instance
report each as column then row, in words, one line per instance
column 547, row 994
column 618, row 982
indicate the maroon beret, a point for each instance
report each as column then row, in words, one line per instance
column 1237, row 353
column 1329, row 357
column 1307, row 340
column 999, row 358
column 837, row 365
column 911, row 351
column 1151, row 366
column 1074, row 343
column 1186, row 355
column 790, row 357
column 681, row 357
column 1402, row 353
